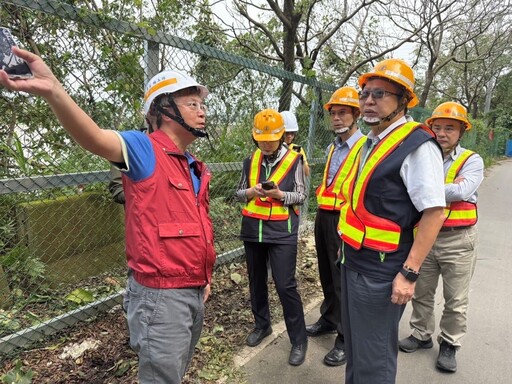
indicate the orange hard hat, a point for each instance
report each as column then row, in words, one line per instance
column 344, row 96
column 397, row 71
column 450, row 110
column 268, row 125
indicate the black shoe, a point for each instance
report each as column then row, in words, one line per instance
column 335, row 357
column 446, row 358
column 412, row 344
column 298, row 354
column 318, row 328
column 257, row 335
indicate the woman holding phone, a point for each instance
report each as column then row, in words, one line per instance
column 272, row 187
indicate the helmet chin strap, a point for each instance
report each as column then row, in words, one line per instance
column 389, row 117
column 177, row 118
column 340, row 131
column 273, row 156
column 343, row 130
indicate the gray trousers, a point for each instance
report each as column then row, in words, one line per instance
column 453, row 256
column 370, row 325
column 164, row 325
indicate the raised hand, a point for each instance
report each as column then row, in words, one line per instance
column 42, row 84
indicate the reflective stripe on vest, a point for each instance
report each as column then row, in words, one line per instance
column 459, row 213
column 328, row 197
column 268, row 208
column 357, row 226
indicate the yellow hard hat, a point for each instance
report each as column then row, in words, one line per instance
column 398, row 72
column 344, row 96
column 450, row 110
column 268, row 126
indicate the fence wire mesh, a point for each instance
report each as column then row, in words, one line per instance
column 61, row 234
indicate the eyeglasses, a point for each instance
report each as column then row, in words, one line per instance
column 194, row 106
column 449, row 129
column 376, row 93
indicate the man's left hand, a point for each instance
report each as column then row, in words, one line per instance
column 402, row 290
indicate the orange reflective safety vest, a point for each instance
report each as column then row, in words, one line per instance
column 357, row 226
column 459, row 213
column 328, row 197
column 268, row 208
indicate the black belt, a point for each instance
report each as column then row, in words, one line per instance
column 451, row 229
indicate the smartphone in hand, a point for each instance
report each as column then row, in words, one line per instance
column 268, row 185
column 15, row 67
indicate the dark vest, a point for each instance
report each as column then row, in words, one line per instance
column 279, row 232
column 387, row 197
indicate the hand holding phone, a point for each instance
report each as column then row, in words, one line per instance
column 15, row 67
column 268, row 185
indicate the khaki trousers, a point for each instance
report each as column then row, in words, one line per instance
column 453, row 257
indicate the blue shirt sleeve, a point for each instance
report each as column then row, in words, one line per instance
column 196, row 181
column 139, row 155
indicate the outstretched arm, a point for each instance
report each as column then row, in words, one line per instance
column 75, row 121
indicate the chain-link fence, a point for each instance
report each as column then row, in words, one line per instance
column 61, row 235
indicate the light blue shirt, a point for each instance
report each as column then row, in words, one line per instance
column 341, row 150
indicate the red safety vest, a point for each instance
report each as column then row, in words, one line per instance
column 459, row 213
column 268, row 208
column 357, row 226
column 169, row 234
column 328, row 197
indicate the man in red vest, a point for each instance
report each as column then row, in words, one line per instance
column 395, row 186
column 169, row 234
column 343, row 109
column 453, row 255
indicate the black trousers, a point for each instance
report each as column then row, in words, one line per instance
column 283, row 260
column 328, row 243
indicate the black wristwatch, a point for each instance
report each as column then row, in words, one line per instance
column 409, row 274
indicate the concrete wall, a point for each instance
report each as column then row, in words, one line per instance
column 75, row 236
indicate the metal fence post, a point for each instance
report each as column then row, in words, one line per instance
column 151, row 50
column 309, row 144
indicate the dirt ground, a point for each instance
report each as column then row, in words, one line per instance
column 107, row 357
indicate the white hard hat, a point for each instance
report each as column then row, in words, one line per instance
column 169, row 81
column 290, row 122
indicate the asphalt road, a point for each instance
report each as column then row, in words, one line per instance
column 486, row 353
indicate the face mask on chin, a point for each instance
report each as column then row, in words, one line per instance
column 339, row 131
column 371, row 120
